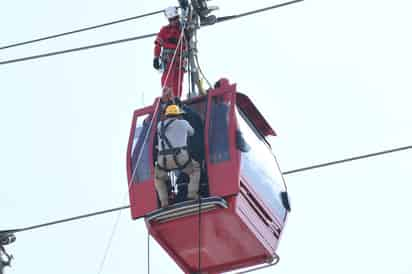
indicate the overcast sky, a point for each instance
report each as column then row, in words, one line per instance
column 332, row 77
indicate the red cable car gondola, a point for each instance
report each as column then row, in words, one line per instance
column 239, row 219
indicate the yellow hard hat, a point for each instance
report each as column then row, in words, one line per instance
column 173, row 110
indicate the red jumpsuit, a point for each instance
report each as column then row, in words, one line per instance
column 165, row 44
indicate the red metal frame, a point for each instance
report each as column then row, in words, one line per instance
column 278, row 222
column 231, row 238
column 243, row 235
column 224, row 176
column 254, row 115
column 136, row 114
column 142, row 196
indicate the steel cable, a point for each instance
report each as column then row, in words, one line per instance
column 103, row 212
column 128, row 206
column 231, row 17
column 347, row 160
column 77, row 49
column 219, row 20
column 80, row 30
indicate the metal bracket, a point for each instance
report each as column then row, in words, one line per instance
column 6, row 238
column 271, row 263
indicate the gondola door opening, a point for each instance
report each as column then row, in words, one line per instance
column 222, row 157
column 140, row 167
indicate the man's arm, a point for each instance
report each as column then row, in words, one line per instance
column 158, row 49
column 158, row 43
column 189, row 128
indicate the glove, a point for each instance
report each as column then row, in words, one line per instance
column 156, row 63
column 172, row 40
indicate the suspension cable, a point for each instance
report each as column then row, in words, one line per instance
column 219, row 20
column 231, row 17
column 128, row 206
column 77, row 49
column 80, row 30
column 103, row 212
column 347, row 160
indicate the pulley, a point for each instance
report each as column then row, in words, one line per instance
column 7, row 238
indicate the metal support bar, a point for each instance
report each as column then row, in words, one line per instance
column 273, row 263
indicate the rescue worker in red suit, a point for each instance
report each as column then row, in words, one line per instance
column 166, row 44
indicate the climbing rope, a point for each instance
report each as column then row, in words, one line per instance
column 180, row 66
column 80, row 30
column 116, row 224
column 169, row 69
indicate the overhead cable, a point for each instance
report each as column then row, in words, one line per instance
column 231, row 17
column 219, row 20
column 80, row 30
column 65, row 220
column 347, row 160
column 284, row 173
column 77, row 49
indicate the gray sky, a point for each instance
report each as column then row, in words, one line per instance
column 332, row 77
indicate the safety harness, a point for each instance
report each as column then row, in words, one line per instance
column 167, row 57
column 171, row 150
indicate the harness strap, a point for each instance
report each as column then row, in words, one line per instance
column 171, row 151
column 163, row 138
column 179, row 166
column 168, row 51
column 167, row 56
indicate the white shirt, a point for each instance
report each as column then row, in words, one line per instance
column 177, row 133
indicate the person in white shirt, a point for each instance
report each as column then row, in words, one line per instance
column 172, row 134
